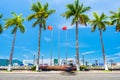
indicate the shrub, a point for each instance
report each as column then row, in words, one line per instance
column 82, row 68
column 33, row 67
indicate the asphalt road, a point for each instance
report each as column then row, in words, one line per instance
column 58, row 76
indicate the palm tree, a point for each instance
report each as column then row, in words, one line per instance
column 76, row 11
column 115, row 17
column 1, row 30
column 17, row 23
column 41, row 13
column 100, row 22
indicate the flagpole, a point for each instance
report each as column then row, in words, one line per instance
column 66, row 47
column 51, row 50
column 58, row 46
column 50, row 28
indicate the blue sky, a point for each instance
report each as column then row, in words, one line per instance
column 89, row 42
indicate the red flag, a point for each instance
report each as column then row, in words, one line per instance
column 64, row 28
column 49, row 27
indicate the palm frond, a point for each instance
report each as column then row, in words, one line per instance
column 14, row 14
column 115, row 17
column 94, row 27
column 71, row 7
column 83, row 19
column 1, row 16
column 13, row 31
column 73, row 21
column 35, row 23
column 100, row 21
column 68, row 14
column 92, row 22
column 103, row 26
column 76, row 11
column 36, row 7
column 1, row 30
column 113, row 22
column 76, row 4
column 118, row 27
column 30, row 17
column 15, row 22
column 22, row 28
column 112, row 12
column 103, row 17
column 46, row 7
column 107, row 22
column 41, row 14
column 9, row 23
column 80, row 8
column 85, row 9
column 39, row 5
column 51, row 12
column 44, row 24
column 96, row 15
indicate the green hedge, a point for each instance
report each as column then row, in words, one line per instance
column 83, row 68
column 33, row 67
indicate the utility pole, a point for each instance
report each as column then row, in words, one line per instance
column 33, row 59
column 83, row 59
column 42, row 60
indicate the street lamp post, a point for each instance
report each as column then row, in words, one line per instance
column 34, row 59
column 42, row 60
column 83, row 59
column 111, row 62
column 86, row 63
column 58, row 46
column 75, row 59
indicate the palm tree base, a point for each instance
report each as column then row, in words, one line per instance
column 9, row 67
column 37, row 68
column 106, row 67
column 77, row 67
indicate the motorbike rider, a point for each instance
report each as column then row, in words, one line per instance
column 69, row 67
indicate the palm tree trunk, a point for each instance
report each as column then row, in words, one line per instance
column 103, row 51
column 12, row 51
column 77, row 48
column 38, row 56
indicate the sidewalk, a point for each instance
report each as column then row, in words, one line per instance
column 42, row 72
column 57, row 72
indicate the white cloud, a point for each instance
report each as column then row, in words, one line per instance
column 117, row 54
column 69, row 26
column 6, row 36
column 113, row 58
column 26, row 56
column 88, row 52
column 73, row 44
column 1, row 57
column 93, row 60
column 47, row 39
column 117, row 47
column 22, row 48
column 5, row 57
column 58, row 2
column 46, row 61
column 68, row 44
column 34, row 52
column 15, row 58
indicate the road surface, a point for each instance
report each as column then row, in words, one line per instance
column 58, row 76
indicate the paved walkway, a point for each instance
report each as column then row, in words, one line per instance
column 43, row 72
column 91, row 75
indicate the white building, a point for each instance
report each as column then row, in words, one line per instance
column 44, row 61
column 26, row 62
